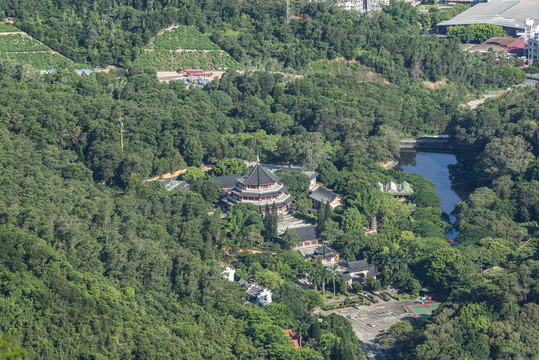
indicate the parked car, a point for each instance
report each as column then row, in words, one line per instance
column 356, row 306
column 370, row 324
column 350, row 316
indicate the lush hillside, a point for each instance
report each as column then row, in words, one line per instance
column 172, row 60
column 96, row 263
column 7, row 27
column 182, row 37
column 134, row 275
column 256, row 35
column 184, row 47
column 498, row 316
column 22, row 48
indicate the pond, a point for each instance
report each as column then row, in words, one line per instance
column 435, row 167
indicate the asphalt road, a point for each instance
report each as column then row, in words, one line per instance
column 383, row 315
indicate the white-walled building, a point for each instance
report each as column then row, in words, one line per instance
column 257, row 293
column 228, row 272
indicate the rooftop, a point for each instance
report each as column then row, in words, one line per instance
column 394, row 189
column 506, row 13
column 262, row 204
column 294, row 338
column 359, row 265
column 508, row 44
column 272, row 192
column 227, row 181
column 321, row 194
column 258, row 176
column 307, row 232
column 324, row 252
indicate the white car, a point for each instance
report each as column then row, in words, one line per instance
column 356, row 306
column 350, row 316
column 370, row 324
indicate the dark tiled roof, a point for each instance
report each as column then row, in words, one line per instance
column 183, row 185
column 231, row 201
column 372, row 272
column 255, row 290
column 359, row 265
column 258, row 176
column 324, row 252
column 321, row 194
column 307, row 233
column 227, row 181
column 258, row 194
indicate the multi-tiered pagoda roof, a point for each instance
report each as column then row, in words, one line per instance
column 260, row 187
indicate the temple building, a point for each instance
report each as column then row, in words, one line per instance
column 260, row 187
column 326, row 255
column 401, row 191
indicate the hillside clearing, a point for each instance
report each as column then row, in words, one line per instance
column 184, row 46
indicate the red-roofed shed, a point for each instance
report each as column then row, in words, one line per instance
column 294, row 338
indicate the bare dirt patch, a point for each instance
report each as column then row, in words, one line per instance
column 167, row 76
column 475, row 103
column 435, row 85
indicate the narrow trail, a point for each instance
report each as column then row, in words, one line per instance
column 188, row 50
column 475, row 103
column 160, row 32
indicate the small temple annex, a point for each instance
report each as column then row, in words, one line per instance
column 260, row 187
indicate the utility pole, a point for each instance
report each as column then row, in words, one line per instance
column 288, row 11
column 122, row 133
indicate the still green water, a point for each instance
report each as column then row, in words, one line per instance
column 435, row 167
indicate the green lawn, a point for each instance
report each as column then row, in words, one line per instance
column 20, row 43
column 165, row 60
column 183, row 37
column 6, row 27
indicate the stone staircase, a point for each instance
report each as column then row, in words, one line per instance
column 287, row 221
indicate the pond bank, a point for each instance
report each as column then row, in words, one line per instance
column 434, row 166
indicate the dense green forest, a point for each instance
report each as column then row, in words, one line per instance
column 97, row 264
column 255, row 34
column 497, row 317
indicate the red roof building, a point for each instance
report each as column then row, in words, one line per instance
column 296, row 339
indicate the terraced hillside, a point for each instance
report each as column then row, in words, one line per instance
column 20, row 47
column 184, row 46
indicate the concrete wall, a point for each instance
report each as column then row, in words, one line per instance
column 427, row 144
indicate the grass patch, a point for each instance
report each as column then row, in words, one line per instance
column 20, row 43
column 165, row 60
column 42, row 61
column 7, row 27
column 183, row 37
column 343, row 67
column 196, row 51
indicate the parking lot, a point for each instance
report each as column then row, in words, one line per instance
column 383, row 315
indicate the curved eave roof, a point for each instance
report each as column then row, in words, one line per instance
column 259, row 176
